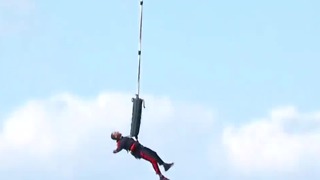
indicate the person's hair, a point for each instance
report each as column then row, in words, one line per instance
column 113, row 135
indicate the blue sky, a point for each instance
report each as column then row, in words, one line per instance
column 239, row 59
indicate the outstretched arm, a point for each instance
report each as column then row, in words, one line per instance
column 119, row 147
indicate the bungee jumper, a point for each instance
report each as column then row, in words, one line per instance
column 131, row 143
column 140, row 152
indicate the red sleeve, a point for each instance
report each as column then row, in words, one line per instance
column 119, row 146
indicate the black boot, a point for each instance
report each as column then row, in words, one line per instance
column 167, row 166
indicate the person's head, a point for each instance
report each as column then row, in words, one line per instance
column 116, row 135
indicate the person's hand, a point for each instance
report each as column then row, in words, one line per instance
column 114, row 151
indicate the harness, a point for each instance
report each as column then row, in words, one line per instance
column 136, row 145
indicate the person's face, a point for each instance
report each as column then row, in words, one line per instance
column 116, row 135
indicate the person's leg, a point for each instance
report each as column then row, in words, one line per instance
column 152, row 153
column 154, row 159
column 149, row 156
column 146, row 154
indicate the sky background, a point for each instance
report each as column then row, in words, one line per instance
column 231, row 88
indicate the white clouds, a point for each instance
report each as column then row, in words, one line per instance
column 65, row 132
column 282, row 142
column 58, row 124
column 46, row 131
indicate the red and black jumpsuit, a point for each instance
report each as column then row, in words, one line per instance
column 139, row 151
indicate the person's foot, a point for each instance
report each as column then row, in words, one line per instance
column 167, row 166
column 163, row 178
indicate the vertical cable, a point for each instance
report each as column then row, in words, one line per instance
column 139, row 48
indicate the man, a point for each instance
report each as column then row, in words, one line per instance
column 139, row 151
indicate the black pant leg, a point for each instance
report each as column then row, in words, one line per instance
column 152, row 154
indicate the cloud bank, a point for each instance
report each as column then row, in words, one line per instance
column 287, row 141
column 68, row 137
column 58, row 133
